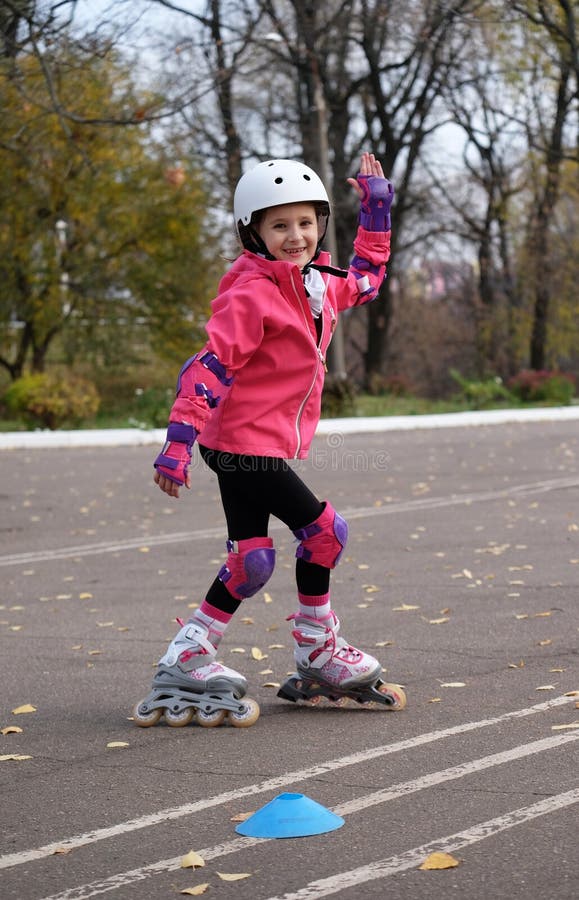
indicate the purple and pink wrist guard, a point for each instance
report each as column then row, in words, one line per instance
column 174, row 459
column 375, row 202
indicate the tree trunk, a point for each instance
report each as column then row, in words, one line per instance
column 540, row 320
column 379, row 315
column 224, row 82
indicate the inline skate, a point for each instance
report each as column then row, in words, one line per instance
column 189, row 684
column 328, row 667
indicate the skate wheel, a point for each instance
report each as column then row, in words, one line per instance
column 337, row 702
column 179, row 719
column 397, row 695
column 248, row 716
column 314, row 701
column 146, row 720
column 210, row 719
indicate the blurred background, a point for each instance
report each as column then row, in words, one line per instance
column 125, row 126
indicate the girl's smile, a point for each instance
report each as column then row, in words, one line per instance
column 290, row 232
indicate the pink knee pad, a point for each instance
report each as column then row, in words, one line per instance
column 248, row 567
column 324, row 540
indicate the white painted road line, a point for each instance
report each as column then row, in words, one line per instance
column 453, row 773
column 179, row 537
column 272, row 784
column 449, row 844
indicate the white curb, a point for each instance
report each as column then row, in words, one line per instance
column 126, row 437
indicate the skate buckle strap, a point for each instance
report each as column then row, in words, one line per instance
column 323, row 642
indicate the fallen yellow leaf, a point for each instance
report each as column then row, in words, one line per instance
column 271, row 684
column 26, row 708
column 234, row 877
column 438, row 621
column 439, row 861
column 197, row 890
column 13, row 756
column 11, row 729
column 192, row 860
column 256, row 653
column 453, row 684
column 118, row 744
column 62, row 851
column 241, row 817
column 267, row 597
column 546, row 687
column 404, row 608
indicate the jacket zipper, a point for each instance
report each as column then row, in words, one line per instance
column 320, row 359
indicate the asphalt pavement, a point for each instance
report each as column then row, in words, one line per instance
column 461, row 575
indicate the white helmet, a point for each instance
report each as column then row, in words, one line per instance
column 274, row 183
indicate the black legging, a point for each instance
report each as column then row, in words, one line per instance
column 253, row 488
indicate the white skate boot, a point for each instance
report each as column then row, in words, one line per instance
column 327, row 666
column 190, row 683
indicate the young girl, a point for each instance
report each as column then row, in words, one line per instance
column 251, row 397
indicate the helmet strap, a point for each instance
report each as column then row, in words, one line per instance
column 331, row 270
column 253, row 242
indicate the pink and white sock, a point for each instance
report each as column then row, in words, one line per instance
column 215, row 620
column 314, row 606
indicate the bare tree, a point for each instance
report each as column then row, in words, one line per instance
column 554, row 76
column 482, row 204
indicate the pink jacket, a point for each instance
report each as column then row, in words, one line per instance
column 256, row 386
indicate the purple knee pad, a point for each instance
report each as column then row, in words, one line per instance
column 324, row 540
column 248, row 568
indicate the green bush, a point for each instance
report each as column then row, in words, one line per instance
column 543, row 386
column 52, row 399
column 388, row 385
column 338, row 397
column 482, row 394
column 151, row 407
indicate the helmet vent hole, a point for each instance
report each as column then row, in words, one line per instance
column 278, row 180
column 307, row 178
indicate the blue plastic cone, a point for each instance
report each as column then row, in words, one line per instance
column 290, row 815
